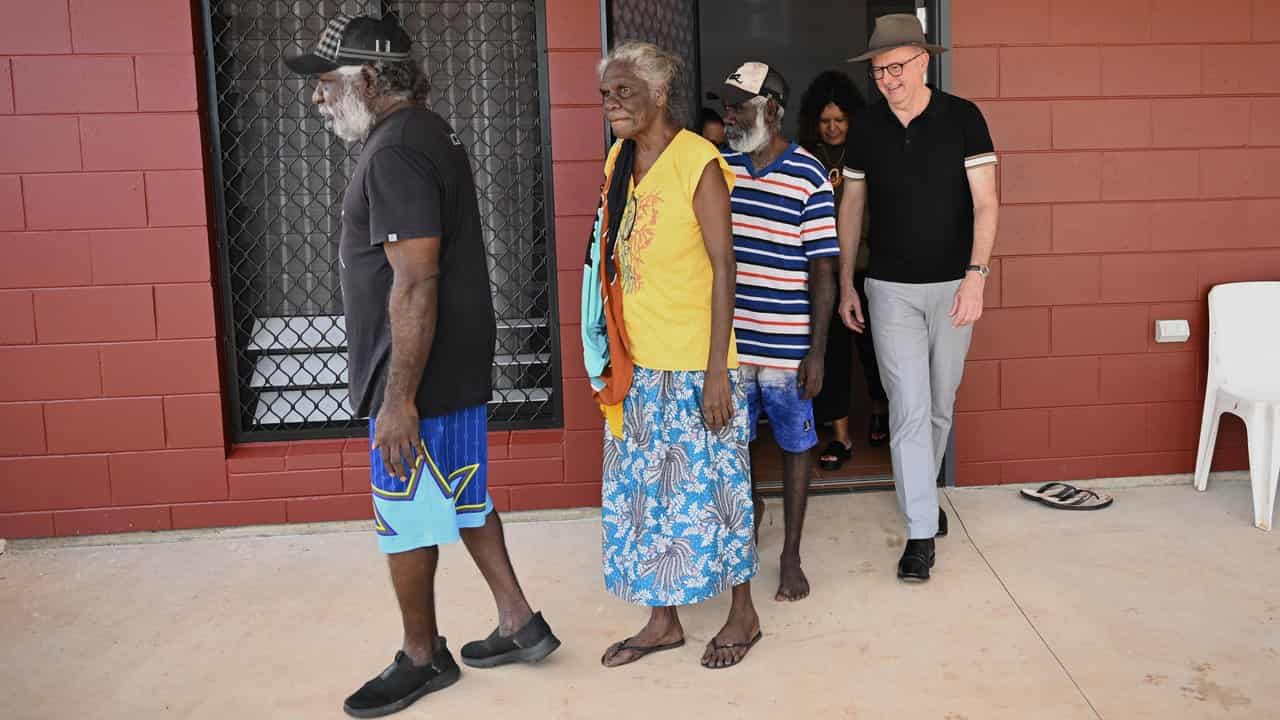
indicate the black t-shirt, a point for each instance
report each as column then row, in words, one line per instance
column 414, row 180
column 917, row 186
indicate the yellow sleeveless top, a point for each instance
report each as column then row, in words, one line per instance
column 663, row 262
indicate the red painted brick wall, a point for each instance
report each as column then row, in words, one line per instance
column 109, row 380
column 1139, row 169
column 1140, row 143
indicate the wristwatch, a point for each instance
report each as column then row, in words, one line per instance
column 983, row 270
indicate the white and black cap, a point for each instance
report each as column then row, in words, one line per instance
column 358, row 40
column 754, row 79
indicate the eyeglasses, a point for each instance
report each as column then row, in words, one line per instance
column 895, row 69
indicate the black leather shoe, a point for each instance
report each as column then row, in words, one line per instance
column 402, row 684
column 942, row 523
column 530, row 644
column 916, row 560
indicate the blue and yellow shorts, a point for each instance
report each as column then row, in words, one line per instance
column 447, row 491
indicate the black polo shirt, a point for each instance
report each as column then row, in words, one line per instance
column 414, row 180
column 917, row 186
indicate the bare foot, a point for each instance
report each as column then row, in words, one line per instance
column 661, row 633
column 793, row 584
column 733, row 642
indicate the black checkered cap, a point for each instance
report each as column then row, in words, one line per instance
column 353, row 41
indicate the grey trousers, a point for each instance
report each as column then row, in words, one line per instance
column 921, row 360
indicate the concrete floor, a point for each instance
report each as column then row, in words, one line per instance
column 1167, row 605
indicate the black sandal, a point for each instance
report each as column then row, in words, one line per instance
column 879, row 425
column 640, row 650
column 834, row 455
column 715, row 647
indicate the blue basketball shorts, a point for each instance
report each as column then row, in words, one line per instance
column 446, row 491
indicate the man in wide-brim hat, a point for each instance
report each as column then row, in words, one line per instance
column 896, row 31
column 923, row 165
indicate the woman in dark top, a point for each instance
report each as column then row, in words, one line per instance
column 826, row 109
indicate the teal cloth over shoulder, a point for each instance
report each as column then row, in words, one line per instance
column 595, row 334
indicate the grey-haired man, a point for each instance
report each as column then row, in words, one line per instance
column 924, row 164
column 420, row 334
column 784, row 239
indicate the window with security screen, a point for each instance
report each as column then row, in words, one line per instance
column 280, row 178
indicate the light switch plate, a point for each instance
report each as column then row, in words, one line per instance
column 1172, row 331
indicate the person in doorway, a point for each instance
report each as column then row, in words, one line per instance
column 784, row 239
column 826, row 108
column 657, row 326
column 713, row 127
column 420, row 330
column 923, row 164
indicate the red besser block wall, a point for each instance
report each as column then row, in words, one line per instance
column 109, row 376
column 1139, row 167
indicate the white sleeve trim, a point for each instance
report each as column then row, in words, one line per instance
column 851, row 174
column 980, row 160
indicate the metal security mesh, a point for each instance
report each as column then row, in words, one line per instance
column 282, row 175
column 671, row 25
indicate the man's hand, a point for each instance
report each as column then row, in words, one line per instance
column 851, row 311
column 717, row 399
column 967, row 307
column 396, row 436
column 809, row 376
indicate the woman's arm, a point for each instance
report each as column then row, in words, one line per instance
column 711, row 206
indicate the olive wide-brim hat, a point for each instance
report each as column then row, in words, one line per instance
column 895, row 31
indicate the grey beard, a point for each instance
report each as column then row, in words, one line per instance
column 751, row 140
column 350, row 118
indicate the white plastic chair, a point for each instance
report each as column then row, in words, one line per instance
column 1244, row 380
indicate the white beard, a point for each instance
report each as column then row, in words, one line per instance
column 749, row 140
column 349, row 117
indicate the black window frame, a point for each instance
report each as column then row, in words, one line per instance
column 233, row 372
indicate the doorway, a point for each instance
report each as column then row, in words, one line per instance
column 800, row 38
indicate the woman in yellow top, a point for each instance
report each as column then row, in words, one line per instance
column 677, row 517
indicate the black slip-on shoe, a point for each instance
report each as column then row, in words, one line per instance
column 529, row 644
column 942, row 523
column 916, row 560
column 402, row 684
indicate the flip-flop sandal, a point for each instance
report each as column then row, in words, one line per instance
column 1081, row 499
column 715, row 646
column 834, row 449
column 640, row 650
column 1071, row 498
column 1047, row 489
column 879, row 425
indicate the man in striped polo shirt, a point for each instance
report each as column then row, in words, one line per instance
column 784, row 241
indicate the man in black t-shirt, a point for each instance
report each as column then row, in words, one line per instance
column 923, row 164
column 420, row 335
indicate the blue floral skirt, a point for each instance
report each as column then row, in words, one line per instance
column 676, row 497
